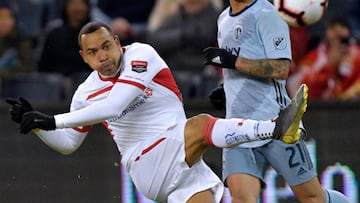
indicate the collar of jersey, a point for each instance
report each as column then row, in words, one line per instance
column 248, row 6
column 112, row 79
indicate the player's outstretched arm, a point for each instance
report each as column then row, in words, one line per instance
column 36, row 120
column 264, row 68
column 21, row 111
column 64, row 141
column 95, row 113
column 119, row 98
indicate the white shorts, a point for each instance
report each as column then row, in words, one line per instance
column 159, row 171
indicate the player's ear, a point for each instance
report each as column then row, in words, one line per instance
column 117, row 40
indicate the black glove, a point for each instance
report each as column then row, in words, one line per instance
column 219, row 57
column 18, row 108
column 217, row 97
column 34, row 119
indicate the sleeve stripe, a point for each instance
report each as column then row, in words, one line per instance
column 99, row 92
column 139, row 85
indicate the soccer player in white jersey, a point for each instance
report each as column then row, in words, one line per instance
column 132, row 92
column 255, row 52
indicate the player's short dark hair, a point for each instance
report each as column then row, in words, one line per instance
column 92, row 27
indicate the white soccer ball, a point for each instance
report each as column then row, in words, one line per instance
column 299, row 13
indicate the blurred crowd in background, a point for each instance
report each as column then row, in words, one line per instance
column 39, row 52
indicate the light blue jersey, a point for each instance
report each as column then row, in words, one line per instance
column 257, row 32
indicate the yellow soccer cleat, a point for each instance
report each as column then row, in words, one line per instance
column 287, row 123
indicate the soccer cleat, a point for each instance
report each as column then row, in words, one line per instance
column 288, row 120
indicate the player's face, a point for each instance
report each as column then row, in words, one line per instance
column 101, row 51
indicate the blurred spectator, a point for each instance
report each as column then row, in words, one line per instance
column 33, row 15
column 331, row 70
column 352, row 8
column 59, row 50
column 162, row 9
column 299, row 37
column 127, row 17
column 180, row 39
column 15, row 50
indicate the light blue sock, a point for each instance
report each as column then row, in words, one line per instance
column 333, row 196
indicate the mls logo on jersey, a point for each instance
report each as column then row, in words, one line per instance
column 279, row 43
column 139, row 66
column 237, row 32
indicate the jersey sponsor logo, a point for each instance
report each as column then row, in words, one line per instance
column 139, row 66
column 279, row 43
column 238, row 30
column 233, row 50
column 139, row 101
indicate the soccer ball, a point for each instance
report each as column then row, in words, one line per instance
column 299, row 13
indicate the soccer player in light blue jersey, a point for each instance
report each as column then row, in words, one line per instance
column 255, row 54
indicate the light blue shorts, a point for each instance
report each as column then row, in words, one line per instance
column 291, row 161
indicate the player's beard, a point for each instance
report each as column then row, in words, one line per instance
column 110, row 75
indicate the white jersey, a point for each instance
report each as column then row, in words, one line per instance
column 150, row 113
column 257, row 32
column 142, row 108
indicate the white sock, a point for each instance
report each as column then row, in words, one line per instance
column 228, row 132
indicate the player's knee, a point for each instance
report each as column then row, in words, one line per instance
column 199, row 120
column 204, row 116
column 195, row 126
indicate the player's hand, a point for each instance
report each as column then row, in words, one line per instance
column 18, row 108
column 219, row 57
column 217, row 97
column 34, row 119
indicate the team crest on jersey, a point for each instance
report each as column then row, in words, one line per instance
column 238, row 32
column 139, row 66
column 279, row 43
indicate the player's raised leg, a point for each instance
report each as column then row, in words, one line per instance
column 203, row 130
column 287, row 123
